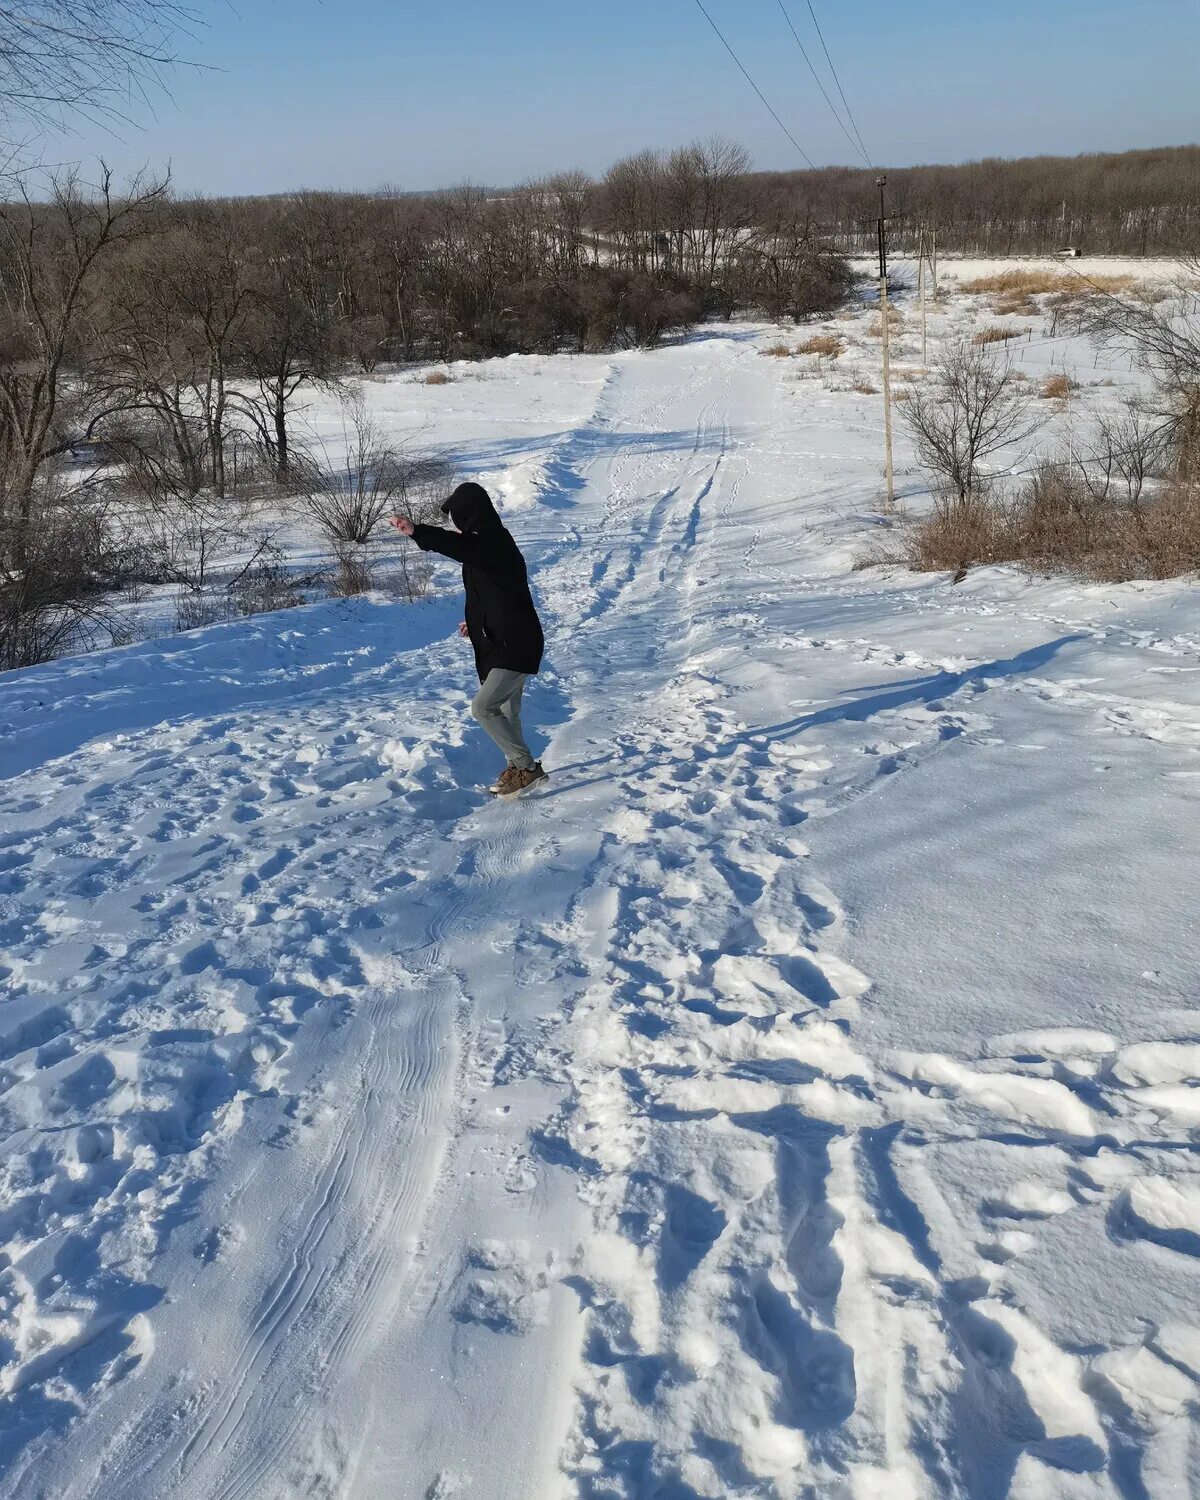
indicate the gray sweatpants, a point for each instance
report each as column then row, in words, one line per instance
column 497, row 707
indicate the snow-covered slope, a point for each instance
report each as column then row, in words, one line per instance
column 798, row 1097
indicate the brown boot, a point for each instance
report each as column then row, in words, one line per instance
column 501, row 783
column 522, row 780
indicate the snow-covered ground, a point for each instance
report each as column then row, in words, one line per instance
column 797, row 1098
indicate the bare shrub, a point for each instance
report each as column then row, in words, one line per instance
column 347, row 499
column 826, row 344
column 865, row 388
column 1168, row 349
column 196, row 611
column 1126, row 448
column 412, row 575
column 430, row 481
column 1059, row 524
column 970, row 408
column 631, row 310
column 262, row 587
column 184, row 537
column 353, row 571
column 1056, row 524
column 780, row 268
column 1169, row 530
column 959, row 532
column 57, row 560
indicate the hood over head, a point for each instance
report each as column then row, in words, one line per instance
column 470, row 508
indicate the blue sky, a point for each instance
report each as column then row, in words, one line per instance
column 355, row 93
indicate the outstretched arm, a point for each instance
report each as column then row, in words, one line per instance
column 462, row 546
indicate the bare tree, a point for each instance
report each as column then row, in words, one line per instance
column 971, row 408
column 631, row 211
column 90, row 57
column 781, row 267
column 48, row 258
column 285, row 341
column 705, row 207
column 177, row 307
column 1165, row 339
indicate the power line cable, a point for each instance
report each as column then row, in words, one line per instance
column 856, row 145
column 755, row 86
column 837, row 80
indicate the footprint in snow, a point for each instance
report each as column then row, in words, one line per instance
column 498, row 1288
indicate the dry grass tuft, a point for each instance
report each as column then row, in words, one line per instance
column 997, row 335
column 1015, row 305
column 1033, row 283
column 827, row 344
column 1015, row 282
column 895, row 322
column 1057, row 387
column 865, row 388
column 436, row 377
column 778, row 351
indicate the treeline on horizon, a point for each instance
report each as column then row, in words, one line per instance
column 1141, row 202
column 1144, row 202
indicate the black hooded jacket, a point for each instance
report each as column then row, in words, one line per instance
column 501, row 620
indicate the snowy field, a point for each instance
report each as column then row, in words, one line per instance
column 798, row 1099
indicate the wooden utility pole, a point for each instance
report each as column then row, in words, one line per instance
column 921, row 294
column 887, row 351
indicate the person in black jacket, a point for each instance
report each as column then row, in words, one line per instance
column 501, row 621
